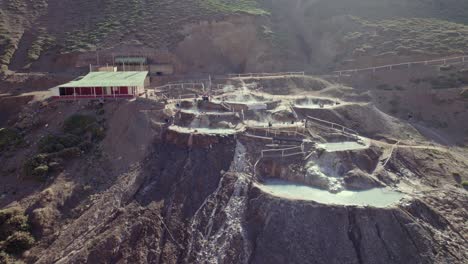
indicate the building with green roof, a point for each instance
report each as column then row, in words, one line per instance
column 103, row 84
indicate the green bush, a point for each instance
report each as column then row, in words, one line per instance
column 97, row 132
column 69, row 153
column 5, row 258
column 55, row 143
column 8, row 213
column 86, row 146
column 30, row 165
column 12, row 220
column 9, row 137
column 18, row 242
column 465, row 184
column 42, row 43
column 15, row 223
column 79, row 124
column 41, row 170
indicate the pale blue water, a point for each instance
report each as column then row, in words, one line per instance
column 343, row 146
column 203, row 130
column 377, row 197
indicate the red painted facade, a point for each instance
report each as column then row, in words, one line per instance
column 96, row 92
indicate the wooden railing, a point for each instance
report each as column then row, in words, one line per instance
column 285, row 152
column 180, row 86
column 275, row 132
column 437, row 62
column 335, row 126
column 276, row 74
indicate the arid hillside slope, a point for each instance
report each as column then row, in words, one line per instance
column 237, row 36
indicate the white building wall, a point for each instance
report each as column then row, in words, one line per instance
column 54, row 91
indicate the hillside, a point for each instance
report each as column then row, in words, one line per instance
column 304, row 158
column 301, row 34
column 156, row 180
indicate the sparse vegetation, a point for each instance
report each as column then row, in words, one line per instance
column 18, row 242
column 15, row 236
column 81, row 125
column 5, row 258
column 156, row 23
column 55, row 143
column 80, row 134
column 9, row 137
column 409, row 36
column 241, row 6
column 32, row 166
column 42, row 43
column 447, row 79
column 465, row 184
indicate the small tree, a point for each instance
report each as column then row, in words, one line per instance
column 18, row 242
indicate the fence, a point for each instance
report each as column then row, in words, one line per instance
column 285, row 152
column 336, row 126
column 181, row 86
column 274, row 132
column 437, row 62
column 177, row 97
column 252, row 75
column 227, row 106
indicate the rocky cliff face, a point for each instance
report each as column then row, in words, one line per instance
column 158, row 196
column 333, row 234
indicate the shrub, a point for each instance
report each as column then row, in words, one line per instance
column 385, row 87
column 9, row 137
column 41, row 170
column 31, row 164
column 78, row 124
column 463, row 76
column 465, row 184
column 11, row 221
column 15, row 223
column 86, row 146
column 55, row 143
column 5, row 258
column 6, row 214
column 68, row 153
column 18, row 242
column 446, row 67
column 97, row 132
column 100, row 112
column 3, row 69
column 444, row 82
column 399, row 88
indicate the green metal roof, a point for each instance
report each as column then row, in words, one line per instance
column 108, row 79
column 131, row 60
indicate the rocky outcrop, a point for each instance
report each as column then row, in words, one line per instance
column 338, row 234
column 359, row 180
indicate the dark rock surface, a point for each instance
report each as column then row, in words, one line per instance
column 305, row 232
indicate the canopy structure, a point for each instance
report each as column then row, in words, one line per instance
column 108, row 79
column 103, row 84
column 130, row 60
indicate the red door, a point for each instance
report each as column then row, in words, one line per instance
column 86, row 91
column 123, row 90
column 98, row 90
